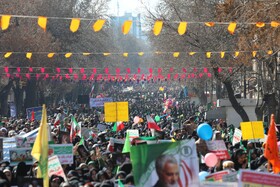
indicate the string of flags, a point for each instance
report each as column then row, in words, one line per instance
column 126, row 27
column 104, row 74
column 208, row 54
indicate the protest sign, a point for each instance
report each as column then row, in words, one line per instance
column 182, row 153
column 132, row 134
column 22, row 142
column 116, row 111
column 219, row 148
column 236, row 136
column 217, row 176
column 231, row 177
column 18, row 155
column 55, row 167
column 249, row 178
column 252, row 130
column 37, row 113
column 122, row 111
column 218, row 184
column 63, row 151
column 99, row 102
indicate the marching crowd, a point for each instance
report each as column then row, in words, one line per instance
column 97, row 164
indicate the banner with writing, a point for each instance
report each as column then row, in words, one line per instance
column 37, row 113
column 219, row 148
column 99, row 102
column 55, row 167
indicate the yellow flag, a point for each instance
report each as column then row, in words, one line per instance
column 173, row 140
column 222, row 54
column 182, row 28
column 68, row 55
column 125, row 54
column 191, row 53
column 97, row 26
column 50, row 55
column 41, row 148
column 75, row 24
column 260, row 24
column 210, row 24
column 126, row 27
column 231, row 27
column 5, row 22
column 208, row 54
column 8, row 54
column 158, row 52
column 176, row 54
column 236, row 54
column 141, row 53
column 275, row 24
column 86, row 54
column 157, row 27
column 254, row 53
column 269, row 52
column 106, row 54
column 42, row 22
column 28, row 55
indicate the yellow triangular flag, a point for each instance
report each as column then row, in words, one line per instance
column 236, row 54
column 231, row 27
column 182, row 28
column 125, row 54
column 68, row 55
column 254, row 53
column 173, row 140
column 41, row 147
column 208, row 54
column 222, row 54
column 50, row 55
column 158, row 52
column 126, row 27
column 28, row 55
column 157, row 27
column 75, row 24
column 5, row 21
column 210, row 24
column 8, row 54
column 176, row 54
column 191, row 53
column 260, row 24
column 269, row 52
column 86, row 54
column 97, row 26
column 106, row 54
column 141, row 53
column 42, row 22
column 275, row 24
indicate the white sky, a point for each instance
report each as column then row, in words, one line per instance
column 130, row 6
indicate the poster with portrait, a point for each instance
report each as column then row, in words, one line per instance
column 20, row 155
column 173, row 163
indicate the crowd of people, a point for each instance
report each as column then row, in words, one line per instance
column 96, row 164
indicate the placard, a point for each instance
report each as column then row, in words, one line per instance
column 18, row 155
column 236, row 136
column 63, row 151
column 55, row 168
column 122, row 111
column 252, row 130
column 24, row 142
column 217, row 176
column 99, row 102
column 37, row 113
column 110, row 112
column 219, row 148
column 133, row 133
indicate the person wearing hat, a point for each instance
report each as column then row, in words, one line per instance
column 239, row 158
column 73, row 178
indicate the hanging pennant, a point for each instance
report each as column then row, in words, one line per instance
column 232, row 27
column 254, row 53
column 191, row 53
column 128, row 70
column 210, row 24
column 157, row 27
column 208, row 54
column 222, row 54
column 94, row 70
column 42, row 22
column 205, row 70
column 6, row 69
column 70, row 70
column 18, row 69
column 84, row 77
column 209, row 75
column 236, row 54
column 219, row 70
column 171, row 70
column 126, row 27
column 28, row 55
column 275, row 24
column 151, row 70
column 260, row 24
column 184, row 70
column 7, row 55
column 30, row 69
column 176, row 54
column 97, row 26
column 140, row 53
column 58, row 70
column 182, row 28
column 42, row 70
column 106, row 70
column 37, row 76
column 138, row 70
column 5, row 22
column 50, row 55
column 76, row 76
column 106, row 54
column 269, row 52
column 82, row 70
column 68, row 55
column 75, row 24
column 27, row 75
column 125, row 54
column 118, row 71
column 86, row 54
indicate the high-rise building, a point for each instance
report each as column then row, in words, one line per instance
column 136, row 25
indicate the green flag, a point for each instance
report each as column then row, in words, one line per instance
column 82, row 140
column 114, row 128
column 120, row 184
column 126, row 147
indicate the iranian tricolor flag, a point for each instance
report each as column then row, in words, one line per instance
column 152, row 124
column 57, row 120
column 75, row 129
column 118, row 126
